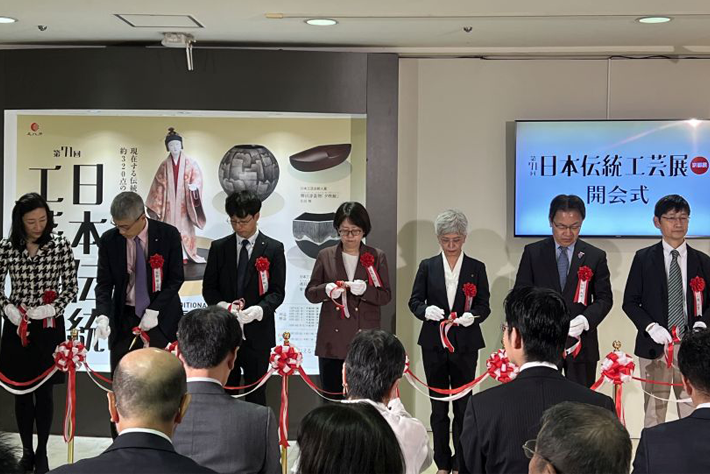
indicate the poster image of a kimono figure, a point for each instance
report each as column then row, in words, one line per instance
column 175, row 195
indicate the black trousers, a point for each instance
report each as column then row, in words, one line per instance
column 446, row 369
column 582, row 372
column 253, row 364
column 331, row 376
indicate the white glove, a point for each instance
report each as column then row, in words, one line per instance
column 700, row 325
column 250, row 314
column 434, row 313
column 103, row 330
column 149, row 320
column 659, row 334
column 465, row 320
column 41, row 312
column 357, row 287
column 13, row 314
column 225, row 305
column 578, row 325
column 333, row 291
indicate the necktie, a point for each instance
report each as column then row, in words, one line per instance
column 242, row 264
column 676, row 316
column 141, row 286
column 563, row 267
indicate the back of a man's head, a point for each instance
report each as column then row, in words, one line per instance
column 149, row 385
column 694, row 361
column 540, row 316
column 577, row 437
column 207, row 335
column 374, row 362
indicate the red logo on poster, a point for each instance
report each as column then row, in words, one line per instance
column 699, row 165
column 34, row 127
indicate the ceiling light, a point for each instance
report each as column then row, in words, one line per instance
column 321, row 22
column 651, row 20
column 7, row 19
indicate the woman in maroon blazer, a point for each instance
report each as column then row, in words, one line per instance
column 351, row 280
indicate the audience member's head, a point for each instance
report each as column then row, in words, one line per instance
column 348, row 439
column 373, row 366
column 694, row 364
column 579, row 438
column 149, row 391
column 8, row 457
column 208, row 339
column 536, row 325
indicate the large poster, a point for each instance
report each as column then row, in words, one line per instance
column 302, row 167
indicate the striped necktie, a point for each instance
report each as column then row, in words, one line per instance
column 563, row 267
column 676, row 316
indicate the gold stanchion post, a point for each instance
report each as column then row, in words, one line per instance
column 70, row 445
column 284, row 449
column 617, row 347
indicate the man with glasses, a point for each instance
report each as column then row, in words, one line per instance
column 666, row 296
column 499, row 420
column 579, row 438
column 247, row 265
column 139, row 275
column 557, row 263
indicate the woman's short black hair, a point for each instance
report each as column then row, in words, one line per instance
column 357, row 214
column 28, row 203
column 348, row 438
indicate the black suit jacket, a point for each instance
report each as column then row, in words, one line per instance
column 538, row 267
column 430, row 289
column 646, row 294
column 112, row 277
column 220, row 283
column 499, row 420
column 677, row 446
column 136, row 453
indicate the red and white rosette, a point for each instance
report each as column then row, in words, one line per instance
column 23, row 329
column 48, row 298
column 697, row 284
column 501, row 368
column 68, row 356
column 584, row 276
column 343, row 307
column 617, row 368
column 470, row 290
column 286, row 361
column 156, row 265
column 262, row 267
column 138, row 332
column 367, row 260
column 671, row 346
column 444, row 328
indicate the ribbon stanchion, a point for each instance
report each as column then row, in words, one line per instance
column 617, row 368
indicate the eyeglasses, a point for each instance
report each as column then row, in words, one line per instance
column 573, row 228
column 530, row 449
column 125, row 227
column 239, row 222
column 455, row 241
column 677, row 219
column 350, row 232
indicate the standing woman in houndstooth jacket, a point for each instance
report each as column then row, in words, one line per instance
column 37, row 261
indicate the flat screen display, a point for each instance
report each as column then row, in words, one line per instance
column 620, row 168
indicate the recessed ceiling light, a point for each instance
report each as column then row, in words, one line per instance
column 7, row 19
column 651, row 20
column 321, row 22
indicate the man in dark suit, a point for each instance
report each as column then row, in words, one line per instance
column 660, row 300
column 149, row 398
column 139, row 275
column 225, row 434
column 235, row 270
column 499, row 420
column 681, row 446
column 557, row 263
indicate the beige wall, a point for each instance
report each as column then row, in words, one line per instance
column 456, row 149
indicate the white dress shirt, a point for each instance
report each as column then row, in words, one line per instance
column 250, row 245
column 530, row 365
column 682, row 263
column 451, row 278
column 350, row 262
column 203, row 379
column 410, row 432
column 146, row 430
column 702, row 405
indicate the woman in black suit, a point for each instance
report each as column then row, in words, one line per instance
column 450, row 291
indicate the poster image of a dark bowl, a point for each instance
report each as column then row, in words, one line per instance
column 314, row 232
column 249, row 167
column 321, row 157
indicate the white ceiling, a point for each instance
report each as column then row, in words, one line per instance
column 511, row 27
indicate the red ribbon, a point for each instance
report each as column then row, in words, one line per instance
column 670, row 346
column 614, row 373
column 23, row 327
column 574, row 349
column 343, row 308
column 48, row 298
column 137, row 331
column 470, row 290
column 156, row 263
column 367, row 260
column 697, row 284
column 29, row 382
column 262, row 265
column 286, row 360
column 68, row 357
column 444, row 328
column 584, row 276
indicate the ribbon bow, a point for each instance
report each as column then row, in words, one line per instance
column 617, row 368
column 285, row 360
column 500, row 368
column 68, row 356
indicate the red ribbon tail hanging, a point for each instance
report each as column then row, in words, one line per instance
column 283, row 414
column 22, row 331
column 598, row 383
column 70, row 407
column 619, row 406
column 444, row 328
